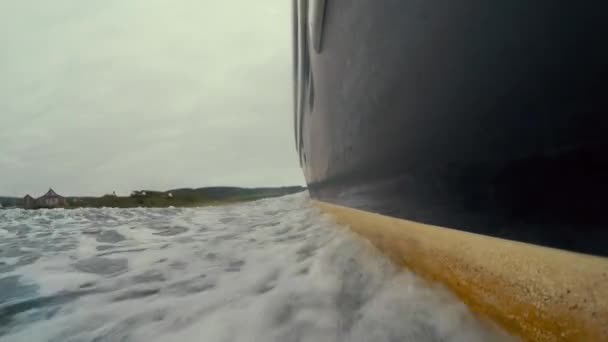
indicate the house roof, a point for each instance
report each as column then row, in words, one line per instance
column 28, row 196
column 50, row 193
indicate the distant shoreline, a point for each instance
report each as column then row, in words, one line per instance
column 184, row 197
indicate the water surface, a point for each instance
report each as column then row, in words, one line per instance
column 271, row 270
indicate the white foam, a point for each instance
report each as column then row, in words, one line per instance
column 270, row 270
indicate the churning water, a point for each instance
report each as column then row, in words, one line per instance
column 270, row 270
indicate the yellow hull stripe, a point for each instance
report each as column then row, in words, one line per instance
column 537, row 293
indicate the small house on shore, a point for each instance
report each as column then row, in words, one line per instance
column 49, row 200
column 29, row 202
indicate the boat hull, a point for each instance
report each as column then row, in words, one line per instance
column 483, row 118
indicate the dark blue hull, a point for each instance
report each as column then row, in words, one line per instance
column 484, row 116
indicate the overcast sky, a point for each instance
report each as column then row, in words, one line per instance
column 97, row 96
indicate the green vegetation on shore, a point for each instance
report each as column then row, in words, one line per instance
column 176, row 197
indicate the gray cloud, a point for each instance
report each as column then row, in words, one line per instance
column 126, row 94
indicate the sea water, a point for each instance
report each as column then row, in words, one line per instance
column 270, row 270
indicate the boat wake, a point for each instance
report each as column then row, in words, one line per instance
column 270, row 270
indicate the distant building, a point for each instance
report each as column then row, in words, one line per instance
column 170, row 195
column 29, row 202
column 50, row 200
